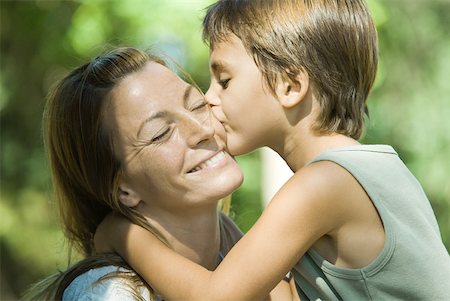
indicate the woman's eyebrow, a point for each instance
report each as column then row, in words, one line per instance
column 186, row 94
column 156, row 115
column 162, row 114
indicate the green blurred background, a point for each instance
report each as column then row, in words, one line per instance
column 42, row 40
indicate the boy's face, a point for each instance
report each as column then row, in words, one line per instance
column 240, row 99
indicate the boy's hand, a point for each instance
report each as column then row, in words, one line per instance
column 295, row 296
column 111, row 230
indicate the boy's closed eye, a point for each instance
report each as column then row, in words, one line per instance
column 224, row 82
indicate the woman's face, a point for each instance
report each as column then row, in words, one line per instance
column 170, row 145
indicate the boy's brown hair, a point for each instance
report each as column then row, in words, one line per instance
column 334, row 41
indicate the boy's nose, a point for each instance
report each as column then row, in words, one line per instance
column 216, row 105
column 211, row 97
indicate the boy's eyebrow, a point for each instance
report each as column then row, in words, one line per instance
column 218, row 66
column 162, row 114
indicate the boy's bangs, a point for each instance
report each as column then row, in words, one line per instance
column 217, row 26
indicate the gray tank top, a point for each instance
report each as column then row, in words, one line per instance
column 413, row 265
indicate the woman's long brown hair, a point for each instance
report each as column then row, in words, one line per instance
column 85, row 171
column 84, row 168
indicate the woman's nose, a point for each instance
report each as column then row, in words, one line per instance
column 199, row 130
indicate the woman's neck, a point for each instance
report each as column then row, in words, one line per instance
column 196, row 235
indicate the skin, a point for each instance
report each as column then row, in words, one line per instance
column 160, row 135
column 298, row 146
column 322, row 206
column 165, row 134
column 236, row 87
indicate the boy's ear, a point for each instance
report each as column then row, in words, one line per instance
column 291, row 93
column 127, row 196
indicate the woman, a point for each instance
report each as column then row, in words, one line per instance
column 126, row 135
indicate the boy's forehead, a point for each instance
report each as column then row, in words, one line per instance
column 225, row 52
column 218, row 59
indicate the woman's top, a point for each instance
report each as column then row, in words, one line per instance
column 90, row 286
column 101, row 284
column 413, row 265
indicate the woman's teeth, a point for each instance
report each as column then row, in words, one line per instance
column 210, row 162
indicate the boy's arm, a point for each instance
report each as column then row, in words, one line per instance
column 231, row 235
column 309, row 206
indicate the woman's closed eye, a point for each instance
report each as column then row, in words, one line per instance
column 199, row 105
column 161, row 135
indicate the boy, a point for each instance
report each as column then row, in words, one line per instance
column 352, row 223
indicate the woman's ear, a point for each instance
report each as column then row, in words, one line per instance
column 127, row 196
column 289, row 92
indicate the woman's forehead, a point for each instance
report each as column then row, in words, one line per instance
column 154, row 83
column 153, row 75
column 145, row 95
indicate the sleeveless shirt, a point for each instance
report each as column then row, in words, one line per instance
column 413, row 265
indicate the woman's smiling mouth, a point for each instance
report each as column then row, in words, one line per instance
column 211, row 162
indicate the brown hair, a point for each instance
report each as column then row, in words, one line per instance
column 334, row 41
column 85, row 170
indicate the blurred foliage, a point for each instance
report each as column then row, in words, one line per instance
column 41, row 40
column 410, row 104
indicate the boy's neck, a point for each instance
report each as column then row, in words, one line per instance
column 296, row 141
column 298, row 149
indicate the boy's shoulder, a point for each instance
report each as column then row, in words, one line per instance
column 322, row 179
column 323, row 192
